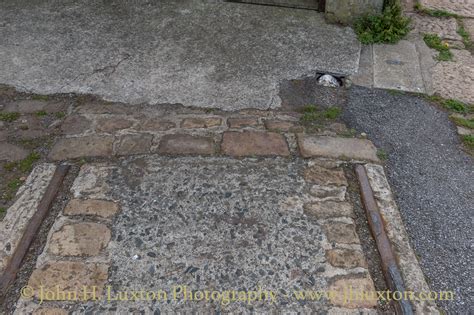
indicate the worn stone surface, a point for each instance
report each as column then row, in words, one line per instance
column 75, row 124
column 19, row 214
column 134, row 144
column 342, row 148
column 460, row 7
column 216, row 223
column 155, row 124
column 365, row 73
column 91, row 182
column 186, row 144
column 339, row 232
column 33, row 106
column 469, row 27
column 12, row 152
column 464, row 131
column 453, row 79
column 337, row 193
column 328, row 209
column 279, row 125
column 81, row 239
column 323, row 176
column 101, row 208
column 69, row 276
column 242, row 122
column 71, row 148
column 446, row 28
column 50, row 311
column 346, row 258
column 113, row 124
column 207, row 122
column 254, row 143
column 358, row 284
column 193, row 70
column 397, row 67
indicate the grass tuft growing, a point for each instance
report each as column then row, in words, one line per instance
column 434, row 41
column 9, row 117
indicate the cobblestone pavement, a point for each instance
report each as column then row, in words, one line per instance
column 205, row 224
column 195, row 199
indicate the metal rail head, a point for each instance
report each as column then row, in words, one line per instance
column 390, row 269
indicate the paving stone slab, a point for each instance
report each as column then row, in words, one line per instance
column 87, row 146
column 397, row 67
column 460, row 7
column 12, row 152
column 181, row 144
column 80, row 239
column 101, row 208
column 341, row 148
column 254, row 143
column 69, row 276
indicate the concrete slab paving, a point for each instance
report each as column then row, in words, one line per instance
column 200, row 53
column 397, row 67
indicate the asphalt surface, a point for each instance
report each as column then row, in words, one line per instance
column 433, row 180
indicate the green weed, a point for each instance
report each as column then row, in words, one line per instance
column 434, row 41
column 388, row 27
column 467, row 123
column 9, row 117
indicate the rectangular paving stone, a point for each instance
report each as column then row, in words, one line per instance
column 186, row 144
column 279, row 125
column 242, row 122
column 323, row 176
column 341, row 148
column 339, row 232
column 205, row 122
column 69, row 276
column 346, row 258
column 254, row 143
column 328, row 209
column 88, row 146
column 154, row 124
column 134, row 144
column 397, row 67
column 80, row 239
column 101, row 208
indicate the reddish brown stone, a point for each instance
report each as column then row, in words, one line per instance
column 101, row 208
column 323, row 176
column 206, row 122
column 360, row 289
column 329, row 209
column 346, row 258
column 81, row 239
column 71, row 148
column 134, row 144
column 69, row 276
column 279, row 125
column 154, row 124
column 186, row 144
column 110, row 125
column 252, row 143
column 75, row 124
column 242, row 122
column 339, row 232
